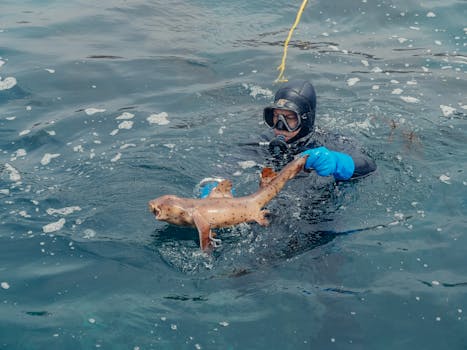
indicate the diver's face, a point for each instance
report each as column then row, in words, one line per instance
column 290, row 118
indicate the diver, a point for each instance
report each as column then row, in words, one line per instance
column 292, row 120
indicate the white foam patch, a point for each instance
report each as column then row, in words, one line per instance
column 352, row 81
column 445, row 178
column 5, row 285
column 5, row 191
column 91, row 111
column 127, row 125
column 247, row 164
column 2, row 63
column 21, row 152
column 47, row 158
column 116, row 158
column 431, row 14
column 125, row 116
column 397, row 91
column 51, row 71
column 377, row 70
column 159, row 119
column 447, row 110
column 24, row 132
column 13, row 173
column 54, row 226
column 7, row 83
column 256, row 91
column 78, row 148
column 63, row 211
column 409, row 99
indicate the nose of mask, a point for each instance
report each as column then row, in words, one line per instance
column 280, row 125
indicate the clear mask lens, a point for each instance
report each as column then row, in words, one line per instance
column 282, row 124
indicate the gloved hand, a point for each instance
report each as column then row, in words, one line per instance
column 208, row 184
column 206, row 188
column 327, row 162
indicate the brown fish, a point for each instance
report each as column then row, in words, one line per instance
column 220, row 208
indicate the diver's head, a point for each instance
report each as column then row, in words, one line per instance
column 293, row 112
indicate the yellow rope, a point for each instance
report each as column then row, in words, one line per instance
column 280, row 78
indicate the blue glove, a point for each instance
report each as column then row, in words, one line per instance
column 206, row 189
column 208, row 184
column 327, row 162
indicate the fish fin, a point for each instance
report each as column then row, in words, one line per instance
column 267, row 175
column 222, row 190
column 261, row 218
column 204, row 230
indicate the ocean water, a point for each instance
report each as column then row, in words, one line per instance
column 106, row 105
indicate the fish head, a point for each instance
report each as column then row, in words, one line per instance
column 167, row 208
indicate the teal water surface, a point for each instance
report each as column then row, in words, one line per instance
column 106, row 105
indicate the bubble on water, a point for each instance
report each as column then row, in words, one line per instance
column 5, row 285
column 7, row 83
column 125, row 116
column 447, row 110
column 92, row 111
column 435, row 283
column 54, row 226
column 409, row 99
column 352, row 81
column 438, row 42
column 47, row 158
column 159, row 119
column 92, row 320
column 173, row 327
column 438, row 318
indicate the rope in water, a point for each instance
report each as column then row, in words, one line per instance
column 281, row 68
